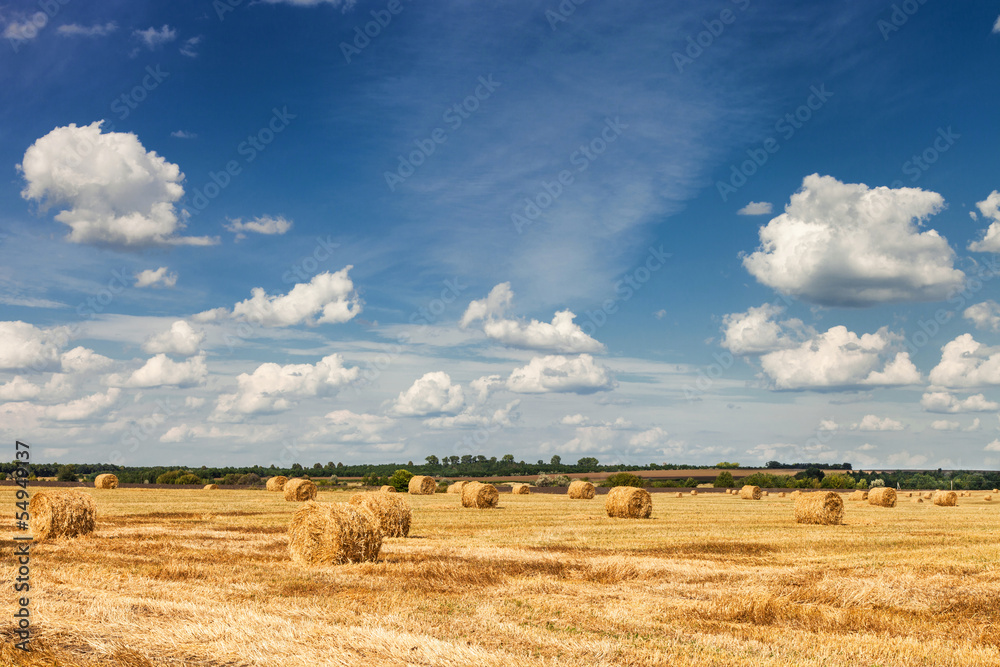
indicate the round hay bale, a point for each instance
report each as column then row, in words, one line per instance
column 422, row 485
column 824, row 508
column 385, row 488
column 456, row 487
column 277, row 483
column 987, row 497
column 61, row 514
column 520, row 489
column 629, row 502
column 580, row 490
column 106, row 481
column 299, row 490
column 781, row 495
column 918, row 500
column 882, row 497
column 679, row 495
column 909, row 494
column 211, row 487
column 858, row 495
column 764, row 493
column 480, row 496
column 946, row 498
column 928, row 496
column 995, row 491
column 694, row 492
column 332, row 534
column 392, row 511
column 750, row 493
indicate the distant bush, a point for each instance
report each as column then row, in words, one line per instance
column 876, row 483
column 231, row 479
column 170, row 477
column 837, row 481
column 724, row 480
column 188, row 478
column 248, row 480
column 727, row 464
column 552, row 480
column 861, row 484
column 400, row 480
column 624, row 479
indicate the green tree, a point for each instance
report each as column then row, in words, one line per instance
column 556, row 460
column 587, row 462
column 170, row 477
column 67, row 473
column 432, row 460
column 724, row 480
column 400, row 480
column 507, row 459
column 188, row 478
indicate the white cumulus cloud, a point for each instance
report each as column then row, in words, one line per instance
column 557, row 373
column 945, row 425
column 985, row 315
column 843, row 244
column 24, row 345
column 84, row 360
column 874, row 423
column 270, row 386
column 839, row 358
column 154, row 38
column 757, row 332
column 155, row 277
column 180, row 339
column 756, row 208
column 990, row 208
column 431, row 394
column 112, row 191
column 967, row 363
column 561, row 335
column 942, row 401
column 261, row 225
column 330, row 296
column 162, row 371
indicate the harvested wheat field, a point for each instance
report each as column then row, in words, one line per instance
column 186, row 578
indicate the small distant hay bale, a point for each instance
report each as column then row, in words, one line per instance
column 795, row 494
column 781, row 495
column 422, row 485
column 680, row 495
column 106, row 481
column 858, row 495
column 277, row 483
column 299, row 490
column 211, row 487
column 928, row 496
column 333, row 533
column 995, row 491
column 480, row 496
column 581, row 490
column 385, row 488
column 824, row 508
column 909, row 494
column 629, row 502
column 882, row 497
column 456, row 487
column 749, row 492
column 61, row 514
column 520, row 489
column 694, row 492
column 763, row 493
column 946, row 498
column 392, row 511
column 987, row 497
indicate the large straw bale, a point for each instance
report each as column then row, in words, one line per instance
column 946, row 498
column 422, row 485
column 106, row 481
column 882, row 497
column 824, row 508
column 456, row 487
column 750, row 493
column 298, row 490
column 858, row 495
column 520, row 489
column 628, row 502
column 211, row 487
column 333, row 533
column 277, row 483
column 385, row 488
column 61, row 514
column 580, row 490
column 479, row 495
column 391, row 509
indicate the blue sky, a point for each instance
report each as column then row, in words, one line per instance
column 248, row 232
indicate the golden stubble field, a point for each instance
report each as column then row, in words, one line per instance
column 183, row 577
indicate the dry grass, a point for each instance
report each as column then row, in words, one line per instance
column 199, row 579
